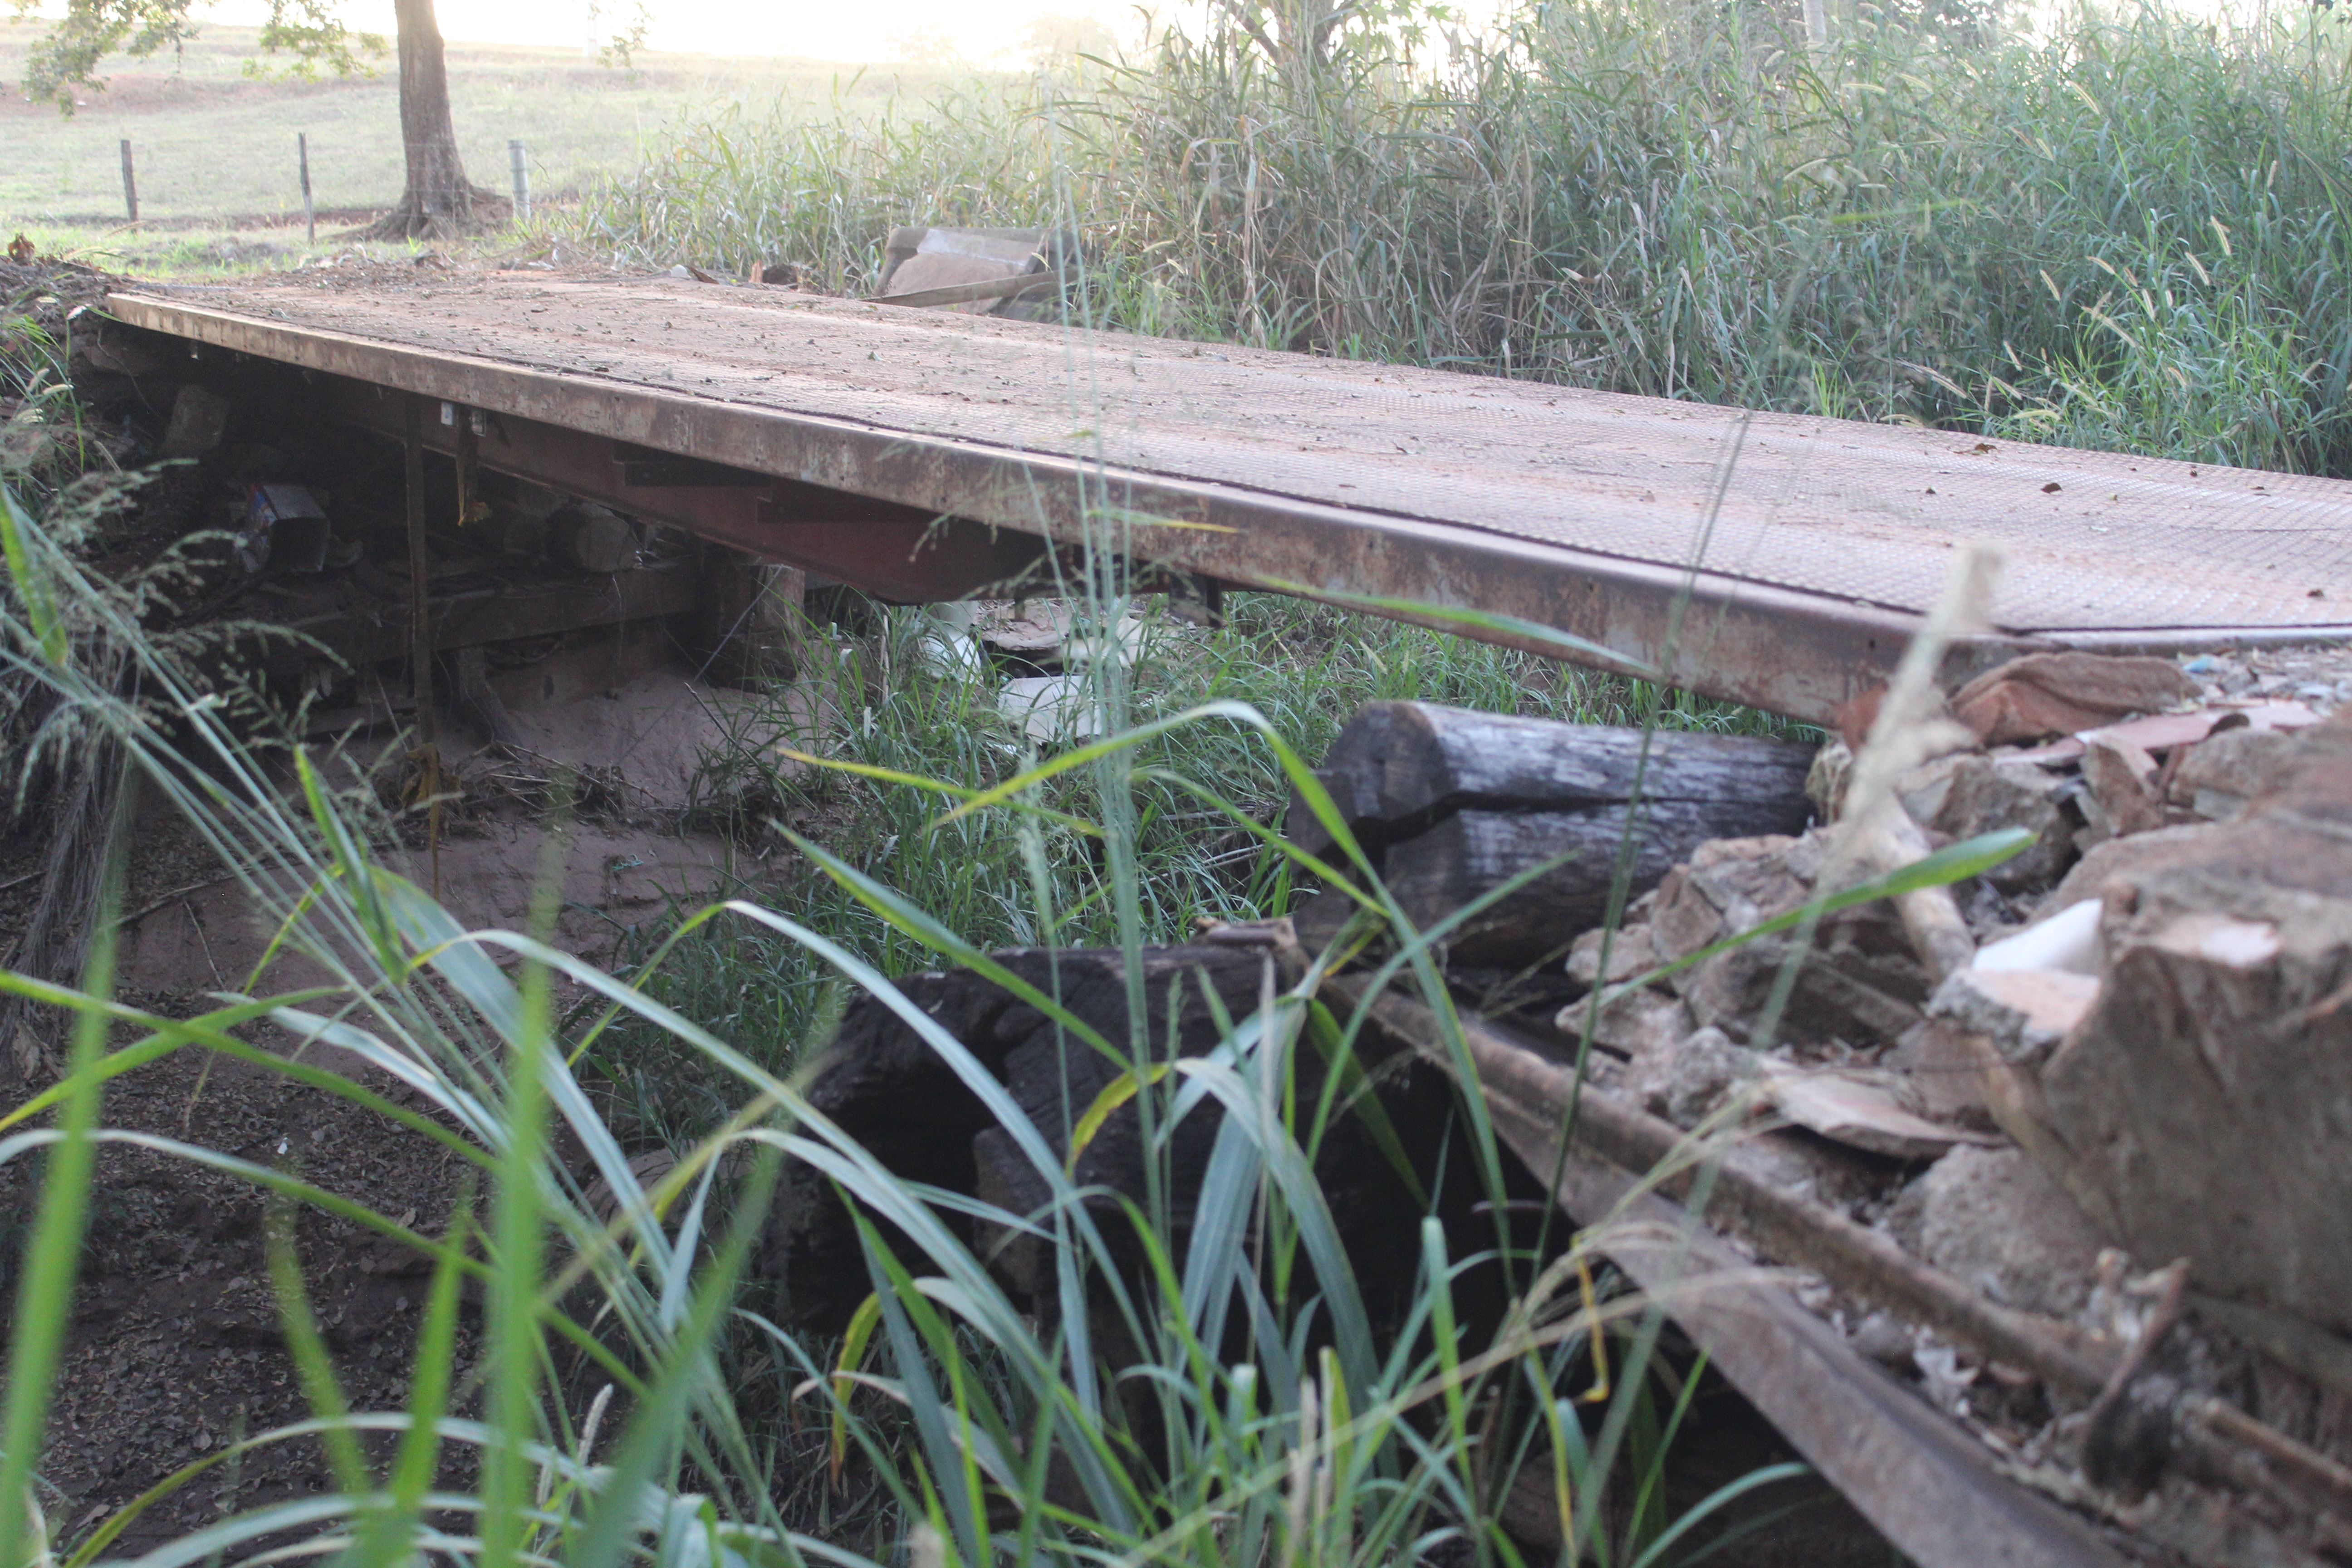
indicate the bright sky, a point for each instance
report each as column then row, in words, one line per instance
column 982, row 29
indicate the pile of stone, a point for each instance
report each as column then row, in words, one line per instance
column 2138, row 1086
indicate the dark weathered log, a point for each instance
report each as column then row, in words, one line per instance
column 1452, row 803
column 1464, row 856
column 885, row 1085
column 1398, row 767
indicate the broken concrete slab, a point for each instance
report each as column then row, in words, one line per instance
column 1631, row 1023
column 1687, row 1080
column 1630, row 953
column 1968, row 794
column 2205, row 1101
column 2117, row 860
column 2046, row 694
column 2219, row 776
column 1935, row 1072
column 1858, row 980
column 1994, row 1219
column 2024, row 1013
column 1859, row 1109
column 967, row 270
column 2121, row 797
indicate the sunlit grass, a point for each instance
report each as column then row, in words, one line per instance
column 2128, row 234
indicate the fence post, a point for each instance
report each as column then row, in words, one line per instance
column 129, row 182
column 521, row 168
column 309, row 211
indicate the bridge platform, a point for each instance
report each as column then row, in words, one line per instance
column 1768, row 559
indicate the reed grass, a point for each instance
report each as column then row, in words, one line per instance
column 2128, row 231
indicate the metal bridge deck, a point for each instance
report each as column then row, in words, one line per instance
column 1809, row 547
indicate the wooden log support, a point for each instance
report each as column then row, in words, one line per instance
column 1452, row 802
column 750, row 618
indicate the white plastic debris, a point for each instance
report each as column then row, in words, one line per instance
column 1049, row 708
column 946, row 647
column 2067, row 941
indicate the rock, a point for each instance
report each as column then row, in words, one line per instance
column 1050, row 708
column 2122, row 798
column 1994, row 1219
column 1042, row 635
column 1859, row 1110
column 1629, row 1024
column 1630, row 954
column 2206, row 1098
column 2116, row 860
column 1687, row 1080
column 1936, row 1074
column 199, row 420
column 2229, row 768
column 1968, row 793
column 1885, row 1340
column 1858, row 982
column 2046, row 694
column 2025, row 1012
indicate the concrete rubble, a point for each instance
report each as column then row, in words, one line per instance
column 2149, row 1058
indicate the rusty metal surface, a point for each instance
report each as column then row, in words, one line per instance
column 896, row 552
column 1930, row 1487
column 1932, row 1491
column 1807, row 547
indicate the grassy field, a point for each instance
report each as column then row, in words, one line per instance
column 215, row 148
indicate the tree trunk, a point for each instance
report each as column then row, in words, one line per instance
column 439, row 201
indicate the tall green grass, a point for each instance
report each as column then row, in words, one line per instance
column 897, row 713
column 2129, row 232
column 997, row 1438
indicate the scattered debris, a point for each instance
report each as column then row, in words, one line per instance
column 285, row 524
column 1857, row 980
column 1967, row 793
column 1688, row 1079
column 1858, row 1107
column 2202, row 1097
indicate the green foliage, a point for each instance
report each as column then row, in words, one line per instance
column 1137, row 1435
column 2128, row 233
column 68, row 55
column 903, row 712
column 314, row 35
